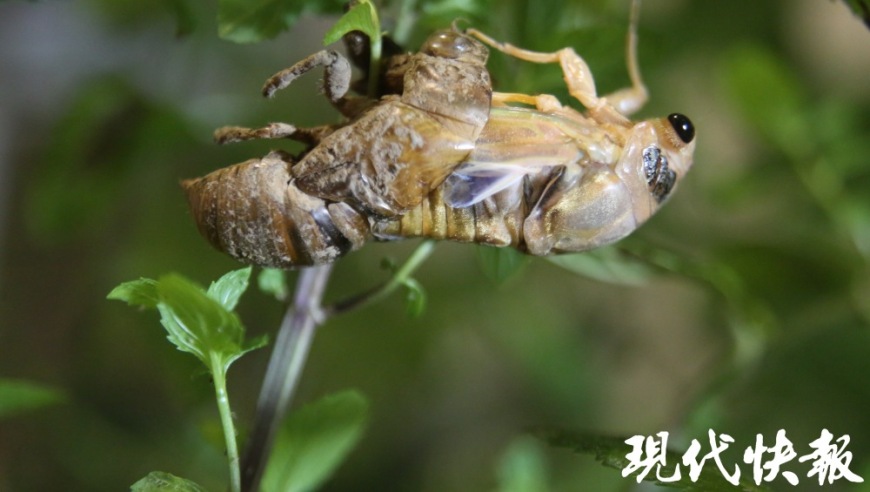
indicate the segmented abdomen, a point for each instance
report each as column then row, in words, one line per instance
column 254, row 212
column 495, row 221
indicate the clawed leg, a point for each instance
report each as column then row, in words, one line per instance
column 336, row 80
column 310, row 136
column 629, row 100
column 578, row 77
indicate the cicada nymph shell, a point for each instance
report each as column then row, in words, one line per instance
column 277, row 211
column 254, row 212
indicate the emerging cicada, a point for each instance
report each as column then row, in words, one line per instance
column 447, row 158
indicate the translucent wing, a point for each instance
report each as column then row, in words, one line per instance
column 473, row 182
column 515, row 142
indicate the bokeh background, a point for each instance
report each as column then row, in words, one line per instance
column 744, row 306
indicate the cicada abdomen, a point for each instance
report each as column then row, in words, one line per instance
column 254, row 212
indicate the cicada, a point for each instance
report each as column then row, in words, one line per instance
column 447, row 158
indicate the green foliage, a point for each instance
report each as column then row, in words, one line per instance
column 164, row 482
column 361, row 17
column 201, row 323
column 415, row 297
column 227, row 289
column 273, row 281
column 198, row 322
column 19, row 397
column 314, row 440
column 244, row 21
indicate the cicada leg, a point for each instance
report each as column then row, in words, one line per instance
column 336, row 80
column 541, row 102
column 310, row 136
column 578, row 77
column 629, row 100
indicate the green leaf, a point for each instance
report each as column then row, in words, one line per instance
column 197, row 323
column 500, row 264
column 165, row 482
column 314, row 440
column 17, row 397
column 142, row 292
column 612, row 452
column 415, row 297
column 522, row 467
column 244, row 21
column 606, row 265
column 227, row 289
column 361, row 17
column 274, row 281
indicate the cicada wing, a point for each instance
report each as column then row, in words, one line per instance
column 387, row 161
column 473, row 182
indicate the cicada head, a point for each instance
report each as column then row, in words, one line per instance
column 455, row 45
column 657, row 155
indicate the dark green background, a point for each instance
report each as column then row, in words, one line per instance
column 756, row 321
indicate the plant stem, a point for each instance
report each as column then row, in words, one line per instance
column 374, row 55
column 220, row 388
column 285, row 367
column 403, row 274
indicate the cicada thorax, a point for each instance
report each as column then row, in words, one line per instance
column 390, row 157
column 254, row 212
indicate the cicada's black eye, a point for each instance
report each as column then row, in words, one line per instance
column 683, row 126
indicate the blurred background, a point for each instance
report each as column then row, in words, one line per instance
column 743, row 306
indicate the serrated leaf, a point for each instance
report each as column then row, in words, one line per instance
column 165, row 482
column 227, row 289
column 17, row 397
column 361, row 17
column 314, row 440
column 612, row 452
column 274, row 281
column 196, row 323
column 142, row 292
column 244, row 21
column 606, row 265
column 252, row 344
column 500, row 264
